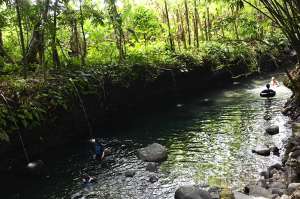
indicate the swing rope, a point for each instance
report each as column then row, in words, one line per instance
column 19, row 133
column 81, row 103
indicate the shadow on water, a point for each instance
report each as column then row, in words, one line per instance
column 209, row 141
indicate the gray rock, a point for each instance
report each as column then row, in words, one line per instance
column 239, row 195
column 295, row 154
column 276, row 166
column 278, row 185
column 152, row 167
column 265, row 174
column 275, row 150
column 292, row 187
column 153, row 153
column 153, row 179
column 191, row 192
column 272, row 130
column 278, row 191
column 262, row 183
column 295, row 148
column 262, row 150
column 284, row 197
column 130, row 173
column 255, row 190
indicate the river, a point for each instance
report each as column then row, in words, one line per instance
column 209, row 141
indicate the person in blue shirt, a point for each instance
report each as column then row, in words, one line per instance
column 99, row 150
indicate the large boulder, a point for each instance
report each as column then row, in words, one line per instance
column 191, row 192
column 153, row 153
column 272, row 130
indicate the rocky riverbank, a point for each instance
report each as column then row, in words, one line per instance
column 279, row 181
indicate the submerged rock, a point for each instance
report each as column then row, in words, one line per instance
column 130, row 173
column 151, row 166
column 153, row 179
column 153, row 153
column 272, row 130
column 191, row 192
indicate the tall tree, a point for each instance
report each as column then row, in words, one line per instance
column 116, row 20
column 84, row 45
column 21, row 35
column 285, row 13
column 187, row 20
column 36, row 44
column 196, row 24
column 55, row 56
column 169, row 27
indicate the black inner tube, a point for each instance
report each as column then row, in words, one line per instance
column 267, row 93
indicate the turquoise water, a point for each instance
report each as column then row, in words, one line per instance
column 209, row 141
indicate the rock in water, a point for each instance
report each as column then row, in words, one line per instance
column 153, row 179
column 191, row 192
column 151, row 166
column 130, row 173
column 262, row 150
column 153, row 153
column 272, row 130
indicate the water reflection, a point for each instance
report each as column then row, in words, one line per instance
column 268, row 111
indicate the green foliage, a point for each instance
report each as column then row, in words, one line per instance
column 125, row 41
column 145, row 24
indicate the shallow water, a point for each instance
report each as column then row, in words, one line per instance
column 209, row 141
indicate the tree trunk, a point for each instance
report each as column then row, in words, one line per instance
column 187, row 19
column 36, row 44
column 196, row 34
column 19, row 19
column 169, row 27
column 74, row 40
column 208, row 26
column 55, row 56
column 178, row 34
column 117, row 25
column 3, row 52
column 183, row 32
column 84, row 45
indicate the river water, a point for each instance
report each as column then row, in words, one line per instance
column 209, row 141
